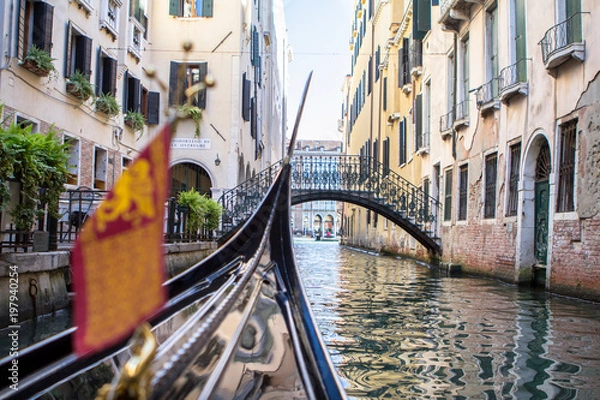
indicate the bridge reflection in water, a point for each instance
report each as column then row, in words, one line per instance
column 397, row 329
column 358, row 180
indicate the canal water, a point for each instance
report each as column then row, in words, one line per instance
column 399, row 329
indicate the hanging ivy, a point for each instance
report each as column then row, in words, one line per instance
column 39, row 163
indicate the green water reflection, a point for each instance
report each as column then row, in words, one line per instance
column 397, row 329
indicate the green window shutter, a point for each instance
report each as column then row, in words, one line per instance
column 402, row 141
column 245, row 98
column 111, row 63
column 574, row 27
column 385, row 94
column 207, row 8
column 421, row 18
column 175, row 8
column 520, row 40
column 153, row 108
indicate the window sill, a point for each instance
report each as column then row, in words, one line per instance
column 461, row 123
column 566, row 216
column 406, row 89
column 86, row 7
column 109, row 29
column 489, row 106
column 446, row 134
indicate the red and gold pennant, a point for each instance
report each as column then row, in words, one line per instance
column 118, row 262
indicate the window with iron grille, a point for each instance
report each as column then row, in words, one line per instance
column 566, row 168
column 448, row 196
column 513, row 179
column 491, row 168
column 463, row 188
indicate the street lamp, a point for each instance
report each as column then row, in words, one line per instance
column 217, row 160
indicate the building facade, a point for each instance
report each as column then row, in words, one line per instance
column 114, row 43
column 498, row 123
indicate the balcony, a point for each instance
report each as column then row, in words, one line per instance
column 454, row 12
column 563, row 42
column 512, row 80
column 487, row 96
column 446, row 124
column 461, row 115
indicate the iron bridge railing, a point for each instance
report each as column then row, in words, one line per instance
column 345, row 175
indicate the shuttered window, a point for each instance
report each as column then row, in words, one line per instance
column 246, row 95
column 402, row 141
column 566, row 168
column 491, row 168
column 513, row 179
column 191, row 8
column 78, row 52
column 35, row 25
column 463, row 192
column 448, row 196
column 183, row 76
column 106, row 77
column 153, row 111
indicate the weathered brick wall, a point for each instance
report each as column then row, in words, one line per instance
column 86, row 164
column 576, row 258
column 485, row 249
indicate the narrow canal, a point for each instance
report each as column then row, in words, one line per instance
column 398, row 329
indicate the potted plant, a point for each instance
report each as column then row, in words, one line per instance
column 135, row 120
column 202, row 211
column 38, row 61
column 79, row 85
column 193, row 112
column 107, row 104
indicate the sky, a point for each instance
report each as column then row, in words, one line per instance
column 318, row 34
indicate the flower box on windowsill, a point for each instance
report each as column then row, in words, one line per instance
column 32, row 66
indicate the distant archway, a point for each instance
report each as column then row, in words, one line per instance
column 187, row 175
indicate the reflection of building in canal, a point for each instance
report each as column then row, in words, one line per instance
column 317, row 217
column 454, row 337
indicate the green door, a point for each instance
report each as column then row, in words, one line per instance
column 541, row 221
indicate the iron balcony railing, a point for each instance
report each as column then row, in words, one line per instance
column 562, row 35
column 487, row 93
column 447, row 121
column 512, row 75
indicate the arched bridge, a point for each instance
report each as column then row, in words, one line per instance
column 358, row 180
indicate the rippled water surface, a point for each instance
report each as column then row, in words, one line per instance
column 397, row 329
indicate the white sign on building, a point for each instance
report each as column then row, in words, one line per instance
column 190, row 143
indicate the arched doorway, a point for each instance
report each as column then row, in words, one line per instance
column 185, row 176
column 329, row 227
column 317, row 228
column 534, row 214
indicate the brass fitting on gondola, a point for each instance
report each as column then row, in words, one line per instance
column 134, row 380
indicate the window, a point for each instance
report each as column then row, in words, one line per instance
column 402, row 141
column 183, row 76
column 492, row 66
column 73, row 150
column 463, row 192
column 513, row 179
column 491, row 167
column 448, row 195
column 26, row 122
column 246, row 96
column 566, row 169
column 421, row 18
column 191, row 8
column 35, row 26
column 109, row 19
column 132, row 93
column 79, row 52
column 462, row 109
column 137, row 10
column 418, row 115
column 403, row 67
column 427, row 114
column 386, row 157
column 370, row 77
column 100, row 162
column 125, row 163
column 106, row 75
column 384, row 94
column 519, row 49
